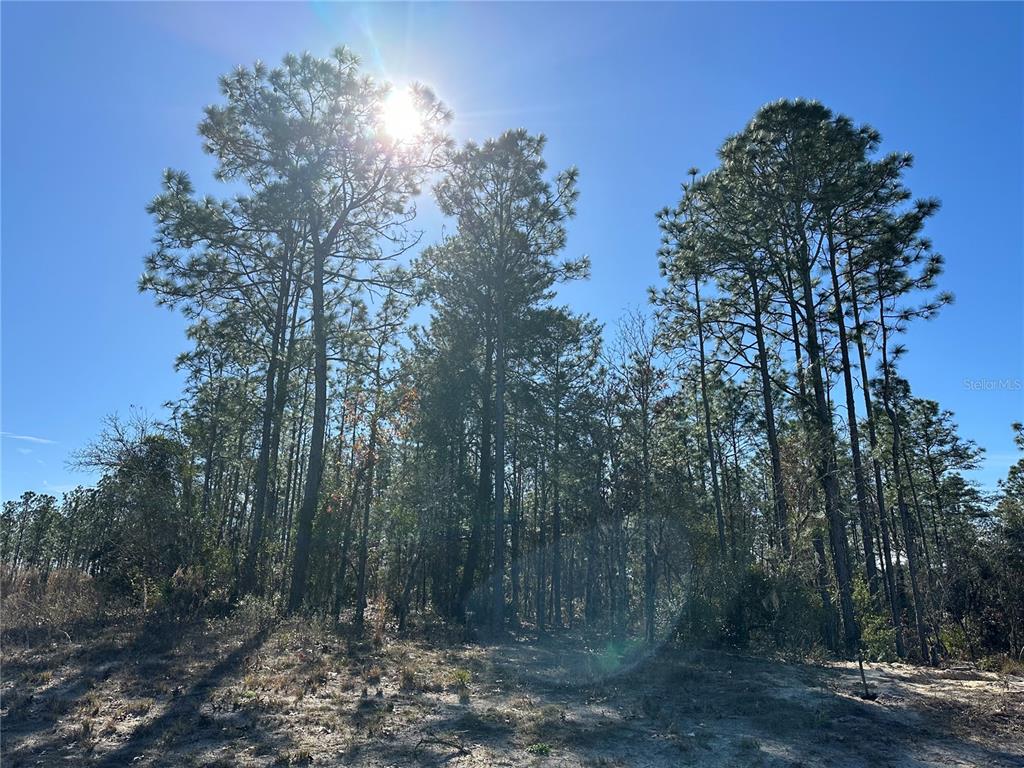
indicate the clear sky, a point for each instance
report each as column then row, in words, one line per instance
column 98, row 98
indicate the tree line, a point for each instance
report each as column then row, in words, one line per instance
column 742, row 463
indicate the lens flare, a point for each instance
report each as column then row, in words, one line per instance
column 401, row 117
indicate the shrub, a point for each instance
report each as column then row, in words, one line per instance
column 878, row 638
column 460, row 682
column 254, row 612
column 34, row 608
column 185, row 592
column 797, row 614
column 1004, row 664
column 407, row 679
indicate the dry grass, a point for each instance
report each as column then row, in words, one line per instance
column 239, row 691
column 38, row 608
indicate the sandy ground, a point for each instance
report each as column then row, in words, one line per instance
column 222, row 694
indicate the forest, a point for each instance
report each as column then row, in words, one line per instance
column 398, row 441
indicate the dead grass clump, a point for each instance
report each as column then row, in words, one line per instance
column 38, row 606
column 177, row 729
column 294, row 757
column 371, row 716
column 186, row 592
column 1004, row 664
column 407, row 679
column 138, row 707
column 248, row 699
column 85, row 734
column 436, row 681
column 545, row 725
column 313, row 682
column 92, row 704
column 16, row 703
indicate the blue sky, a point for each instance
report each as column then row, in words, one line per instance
column 98, row 98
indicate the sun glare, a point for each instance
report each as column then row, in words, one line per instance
column 401, row 117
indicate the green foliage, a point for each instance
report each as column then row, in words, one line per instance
column 797, row 614
column 878, row 638
column 754, row 609
column 956, row 641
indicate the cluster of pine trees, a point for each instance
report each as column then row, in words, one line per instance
column 744, row 464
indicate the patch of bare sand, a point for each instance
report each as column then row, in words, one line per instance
column 220, row 693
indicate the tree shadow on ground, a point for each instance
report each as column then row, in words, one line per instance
column 566, row 703
column 183, row 715
column 710, row 707
column 564, row 700
column 36, row 731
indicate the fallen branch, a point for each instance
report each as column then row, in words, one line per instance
column 453, row 742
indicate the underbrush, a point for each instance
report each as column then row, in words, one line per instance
column 753, row 611
column 40, row 607
column 1004, row 664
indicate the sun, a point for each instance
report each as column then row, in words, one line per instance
column 401, row 117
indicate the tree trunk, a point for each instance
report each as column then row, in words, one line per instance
column 371, row 466
column 649, row 552
column 556, row 522
column 517, row 524
column 280, row 401
column 778, row 489
column 249, row 567
column 498, row 608
column 901, row 502
column 827, row 464
column 355, row 482
column 883, row 520
column 542, row 543
column 314, row 467
column 830, row 628
column 484, row 484
column 719, row 518
column 867, row 534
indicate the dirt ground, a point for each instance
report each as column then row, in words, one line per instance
column 220, row 693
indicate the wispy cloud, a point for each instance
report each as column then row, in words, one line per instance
column 28, row 438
